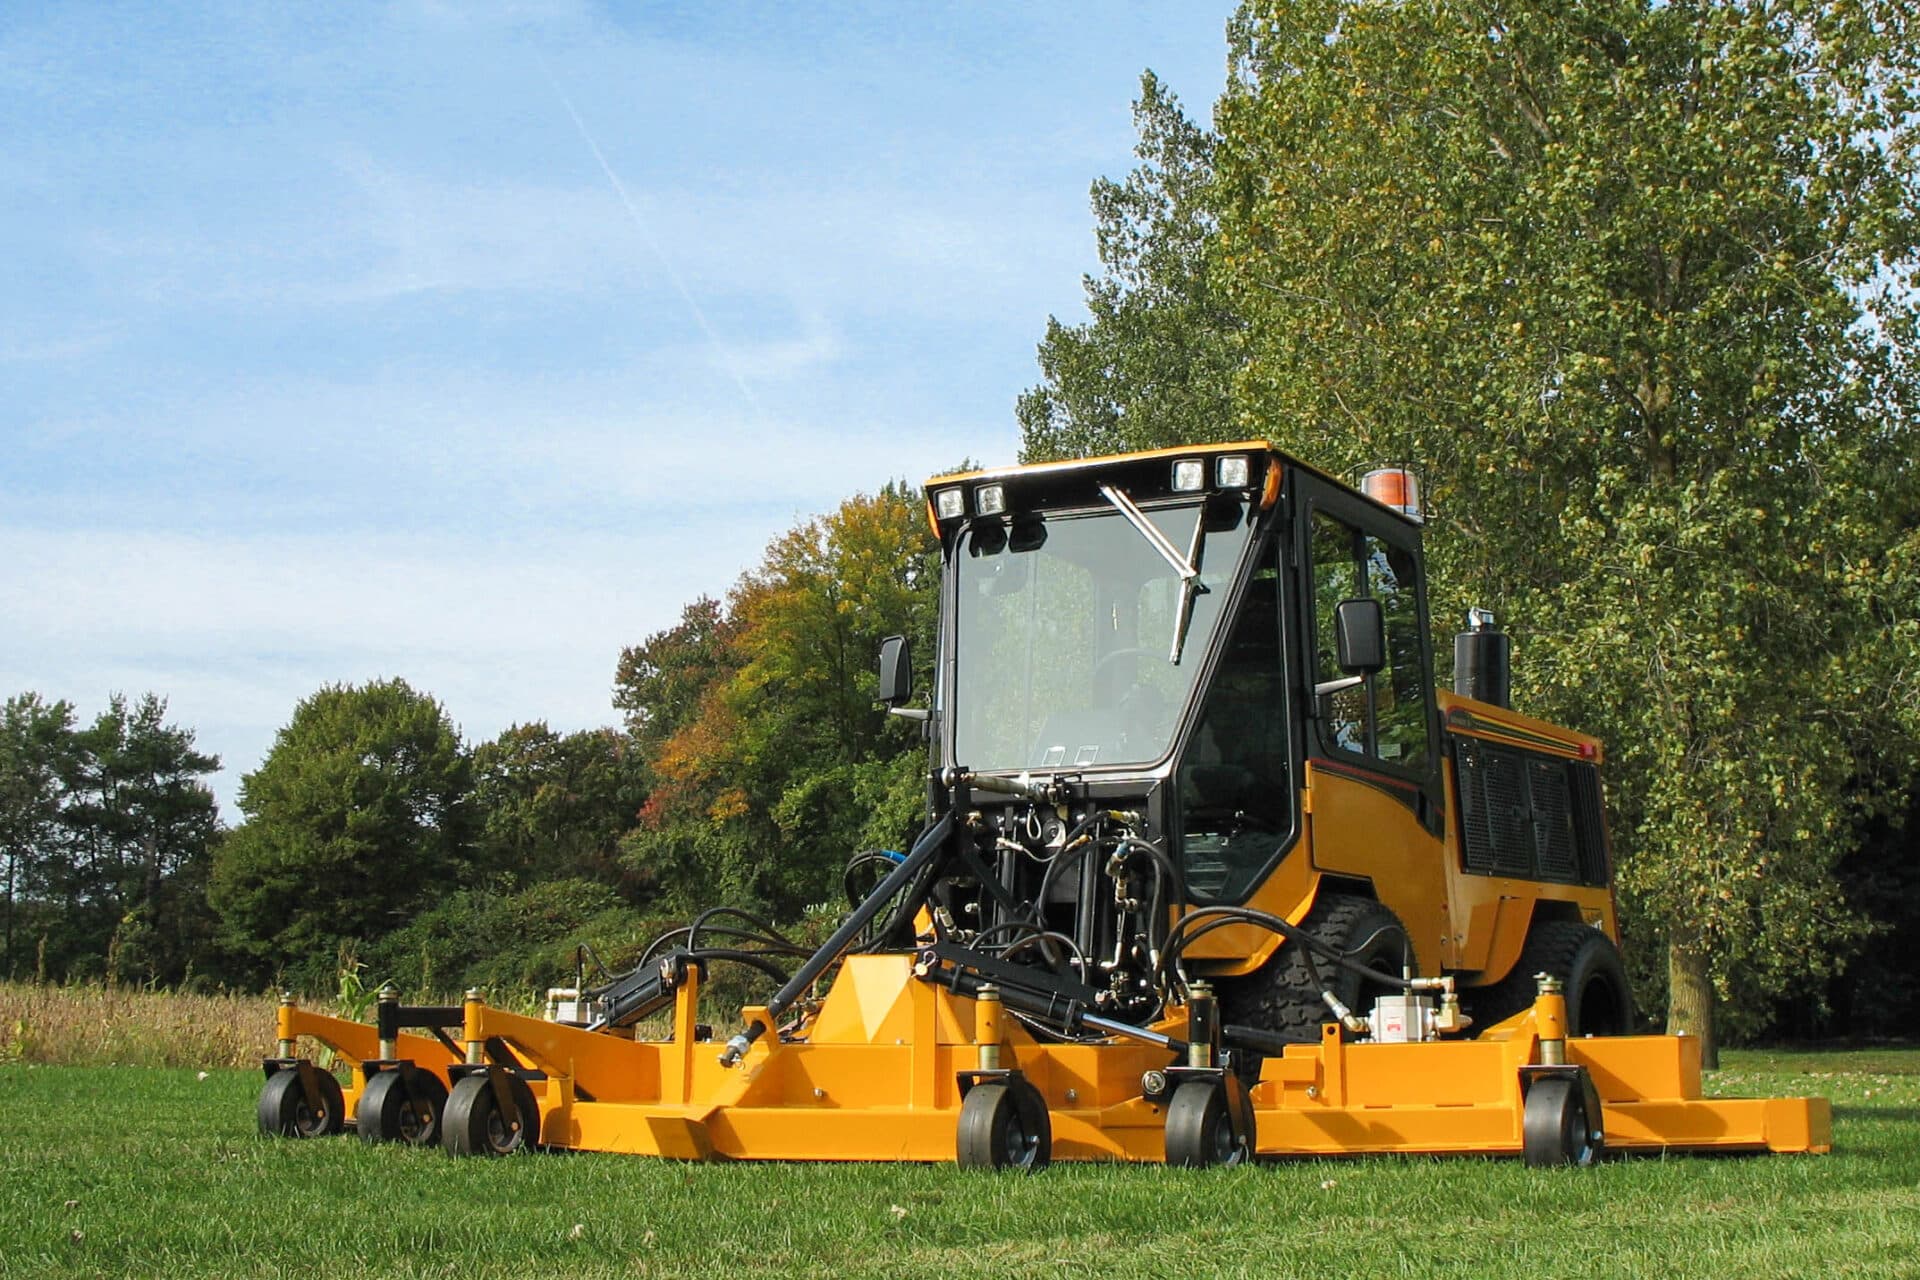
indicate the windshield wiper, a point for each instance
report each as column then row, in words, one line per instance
column 1187, row 567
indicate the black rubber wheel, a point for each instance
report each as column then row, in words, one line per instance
column 475, row 1125
column 284, row 1111
column 1281, row 997
column 1599, row 1002
column 1554, row 1127
column 1200, row 1129
column 386, row 1114
column 1005, row 1126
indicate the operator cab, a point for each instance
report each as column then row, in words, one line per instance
column 1165, row 633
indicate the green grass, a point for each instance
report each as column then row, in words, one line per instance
column 151, row 1172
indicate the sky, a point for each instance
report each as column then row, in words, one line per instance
column 467, row 343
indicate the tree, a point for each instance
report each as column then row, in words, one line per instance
column 780, row 765
column 551, row 806
column 139, row 822
column 1632, row 282
column 106, row 831
column 1155, row 361
column 660, row 682
column 357, row 817
column 36, row 750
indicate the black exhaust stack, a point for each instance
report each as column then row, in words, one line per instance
column 1483, row 661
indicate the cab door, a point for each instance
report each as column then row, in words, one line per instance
column 1375, row 804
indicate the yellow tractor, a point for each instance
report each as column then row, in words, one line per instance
column 1213, row 870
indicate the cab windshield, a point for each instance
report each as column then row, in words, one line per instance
column 1075, row 643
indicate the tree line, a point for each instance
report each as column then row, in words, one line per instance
column 750, row 762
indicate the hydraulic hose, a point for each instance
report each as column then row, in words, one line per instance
column 1183, row 934
column 929, row 847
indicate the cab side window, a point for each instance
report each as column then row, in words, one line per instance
column 1385, row 716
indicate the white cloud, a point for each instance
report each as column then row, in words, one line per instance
column 235, row 630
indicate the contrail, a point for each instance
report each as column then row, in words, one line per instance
column 720, row 348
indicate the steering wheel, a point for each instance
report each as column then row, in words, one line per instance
column 1107, row 660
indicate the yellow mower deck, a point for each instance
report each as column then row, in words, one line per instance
column 879, row 1076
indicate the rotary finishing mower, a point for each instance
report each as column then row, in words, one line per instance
column 1213, row 870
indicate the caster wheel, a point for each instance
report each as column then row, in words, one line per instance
column 1200, row 1129
column 285, row 1112
column 1554, row 1127
column 1004, row 1125
column 475, row 1125
column 387, row 1114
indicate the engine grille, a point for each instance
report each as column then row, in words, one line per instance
column 1529, row 815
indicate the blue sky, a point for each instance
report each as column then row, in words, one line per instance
column 468, row 342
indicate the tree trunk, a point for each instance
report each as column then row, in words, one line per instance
column 13, row 861
column 1690, row 999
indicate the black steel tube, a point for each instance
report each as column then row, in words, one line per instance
column 925, row 850
column 1066, row 1014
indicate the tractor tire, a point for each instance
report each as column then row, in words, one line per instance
column 1599, row 1002
column 1280, row 997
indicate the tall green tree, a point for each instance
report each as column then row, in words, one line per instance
column 1631, row 281
column 107, row 831
column 358, row 817
column 552, row 806
column 1155, row 360
column 36, row 759
column 141, row 824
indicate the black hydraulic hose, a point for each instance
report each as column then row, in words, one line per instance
column 926, row 850
column 1221, row 917
column 1160, row 857
column 1069, row 854
column 751, row 959
column 1044, row 938
column 910, row 900
column 759, row 930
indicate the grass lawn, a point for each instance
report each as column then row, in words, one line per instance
column 141, row 1171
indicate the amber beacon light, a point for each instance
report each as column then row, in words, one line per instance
column 1396, row 488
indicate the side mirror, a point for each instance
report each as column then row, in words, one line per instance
column 896, row 671
column 1360, row 636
